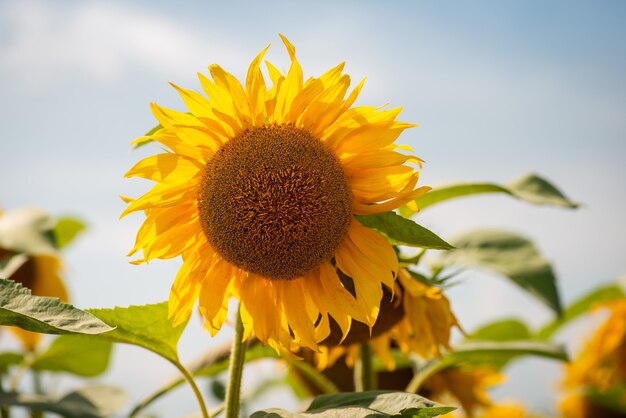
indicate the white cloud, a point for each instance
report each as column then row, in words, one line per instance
column 99, row 42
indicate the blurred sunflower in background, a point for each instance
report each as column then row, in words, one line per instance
column 258, row 189
column 596, row 378
column 28, row 256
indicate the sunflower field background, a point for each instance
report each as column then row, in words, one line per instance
column 520, row 108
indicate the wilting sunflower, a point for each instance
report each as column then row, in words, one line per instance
column 258, row 189
column 418, row 320
column 464, row 386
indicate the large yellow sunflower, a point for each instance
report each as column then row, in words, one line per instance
column 258, row 189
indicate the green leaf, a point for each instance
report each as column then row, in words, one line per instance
column 495, row 355
column 502, row 330
column 389, row 402
column 534, row 189
column 76, row 354
column 402, row 231
column 146, row 326
column 27, row 231
column 9, row 359
column 493, row 352
column 580, row 307
column 530, row 188
column 97, row 401
column 66, row 229
column 510, row 255
column 42, row 314
column 364, row 405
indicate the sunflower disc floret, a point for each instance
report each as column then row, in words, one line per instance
column 275, row 201
column 257, row 191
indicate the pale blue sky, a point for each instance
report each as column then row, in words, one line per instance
column 499, row 89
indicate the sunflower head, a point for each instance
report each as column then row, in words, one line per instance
column 416, row 318
column 257, row 190
column 31, row 260
column 602, row 362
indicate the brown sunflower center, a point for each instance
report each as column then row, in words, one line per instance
column 275, row 201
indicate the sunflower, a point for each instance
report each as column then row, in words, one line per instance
column 32, row 261
column 602, row 362
column 596, row 379
column 258, row 189
column 464, row 385
column 418, row 319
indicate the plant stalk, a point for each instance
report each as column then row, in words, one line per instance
column 194, row 387
column 364, row 373
column 237, row 357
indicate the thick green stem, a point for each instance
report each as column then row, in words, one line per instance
column 194, row 387
column 237, row 357
column 364, row 373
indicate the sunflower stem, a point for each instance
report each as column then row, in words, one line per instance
column 237, row 357
column 4, row 410
column 194, row 387
column 364, row 373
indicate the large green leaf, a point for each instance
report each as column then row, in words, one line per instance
column 530, row 188
column 364, row 404
column 98, row 401
column 510, row 255
column 27, row 231
column 146, row 326
column 66, row 229
column 18, row 307
column 580, row 307
column 76, row 354
column 402, row 231
column 502, row 330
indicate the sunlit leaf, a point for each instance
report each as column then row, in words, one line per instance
column 402, row 231
column 530, row 188
column 146, row 326
column 66, row 229
column 97, row 401
column 580, row 307
column 79, row 355
column 364, row 404
column 18, row 307
column 510, row 255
